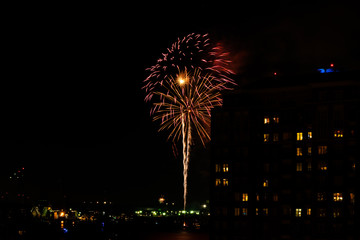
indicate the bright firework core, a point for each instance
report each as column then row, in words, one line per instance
column 182, row 78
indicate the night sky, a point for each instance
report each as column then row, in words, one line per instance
column 74, row 109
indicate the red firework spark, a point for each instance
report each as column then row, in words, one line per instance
column 194, row 51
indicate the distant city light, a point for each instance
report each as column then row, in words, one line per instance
column 161, row 200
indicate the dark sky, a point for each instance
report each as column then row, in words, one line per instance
column 73, row 98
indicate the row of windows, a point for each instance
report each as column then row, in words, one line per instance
column 274, row 119
column 299, row 136
column 337, row 197
column 322, row 166
column 225, row 182
column 222, row 167
column 287, row 211
column 300, row 167
column 286, row 136
column 221, row 182
column 321, row 196
column 322, row 150
column 244, row 197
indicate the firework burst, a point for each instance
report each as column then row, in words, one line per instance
column 188, row 97
column 185, row 85
column 185, row 108
column 194, row 51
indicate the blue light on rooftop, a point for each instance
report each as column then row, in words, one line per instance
column 327, row 70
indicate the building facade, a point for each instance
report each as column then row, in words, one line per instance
column 285, row 155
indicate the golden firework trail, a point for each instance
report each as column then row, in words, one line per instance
column 185, row 107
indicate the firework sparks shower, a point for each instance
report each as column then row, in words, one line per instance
column 184, row 86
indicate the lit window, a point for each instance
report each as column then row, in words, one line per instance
column 244, row 211
column 266, row 137
column 322, row 150
column 237, row 211
column 299, row 136
column 276, row 137
column 308, row 211
column 309, row 135
column 276, row 197
column 338, row 133
column 309, row 166
column 225, row 182
column 321, row 196
column 257, row 211
column 299, row 167
column 257, row 197
column 225, row 167
column 266, row 120
column 266, row 183
column 353, row 166
column 338, row 197
column 322, row 212
column 323, row 166
column 309, row 151
column 352, row 198
column 217, row 182
column 299, row 152
column 266, row 211
column 298, row 212
column 217, row 168
column 336, row 213
column 286, row 210
column 245, row 197
column 276, row 119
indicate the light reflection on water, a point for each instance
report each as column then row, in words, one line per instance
column 177, row 236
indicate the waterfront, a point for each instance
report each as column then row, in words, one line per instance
column 90, row 231
column 182, row 235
